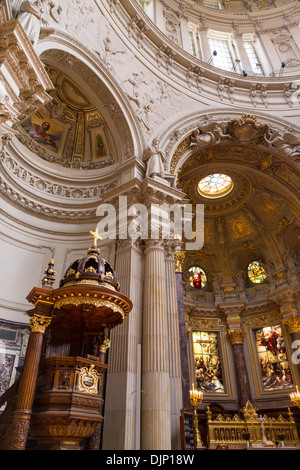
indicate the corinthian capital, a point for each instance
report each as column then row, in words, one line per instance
column 293, row 324
column 236, row 336
column 39, row 323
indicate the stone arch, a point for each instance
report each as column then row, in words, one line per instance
column 61, row 50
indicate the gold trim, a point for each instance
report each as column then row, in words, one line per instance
column 88, row 380
column 263, row 319
column 236, row 336
column 179, row 260
column 89, row 301
column 293, row 324
column 39, row 323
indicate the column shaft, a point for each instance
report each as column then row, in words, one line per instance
column 174, row 351
column 21, row 420
column 242, row 379
column 156, row 426
column 184, row 358
column 120, row 429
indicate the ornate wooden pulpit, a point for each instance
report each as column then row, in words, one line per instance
column 60, row 396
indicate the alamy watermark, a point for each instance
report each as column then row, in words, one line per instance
column 159, row 221
column 296, row 353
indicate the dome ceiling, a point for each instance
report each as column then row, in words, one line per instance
column 257, row 219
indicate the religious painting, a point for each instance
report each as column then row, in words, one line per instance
column 256, row 272
column 272, row 356
column 44, row 131
column 100, row 146
column 197, row 277
column 208, row 374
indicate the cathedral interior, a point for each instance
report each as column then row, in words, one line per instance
column 113, row 338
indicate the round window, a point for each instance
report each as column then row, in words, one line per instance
column 215, row 185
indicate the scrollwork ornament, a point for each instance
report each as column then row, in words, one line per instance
column 89, row 302
column 39, row 323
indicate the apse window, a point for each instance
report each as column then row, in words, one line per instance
column 273, row 358
column 215, row 185
column 256, row 272
column 208, row 373
column 197, row 277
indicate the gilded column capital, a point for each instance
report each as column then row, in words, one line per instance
column 293, row 324
column 179, row 260
column 39, row 323
column 236, row 336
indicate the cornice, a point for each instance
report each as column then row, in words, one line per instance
column 228, row 16
column 154, row 48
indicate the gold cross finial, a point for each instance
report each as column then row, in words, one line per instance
column 96, row 236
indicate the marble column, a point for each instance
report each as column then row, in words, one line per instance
column 121, row 418
column 156, row 407
column 174, row 346
column 18, row 431
column 236, row 338
column 184, row 355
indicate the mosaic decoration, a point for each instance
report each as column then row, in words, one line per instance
column 207, row 362
column 44, row 131
column 197, row 277
column 272, row 356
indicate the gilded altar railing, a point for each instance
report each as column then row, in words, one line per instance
column 233, row 431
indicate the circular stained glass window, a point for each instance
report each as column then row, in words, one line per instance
column 197, row 277
column 215, row 185
column 256, row 272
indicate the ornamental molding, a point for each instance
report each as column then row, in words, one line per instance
column 205, row 324
column 42, row 209
column 197, row 76
column 27, row 178
column 264, row 319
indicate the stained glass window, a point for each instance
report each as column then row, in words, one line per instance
column 256, row 272
column 207, row 362
column 197, row 277
column 215, row 185
column 273, row 361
